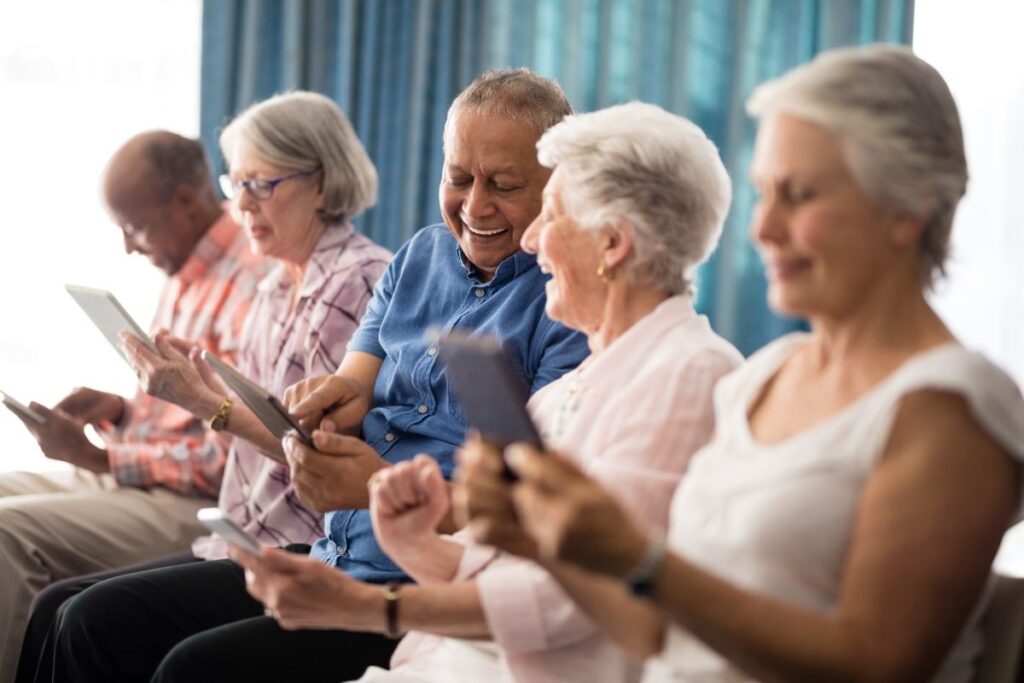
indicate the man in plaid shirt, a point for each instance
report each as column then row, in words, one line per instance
column 135, row 498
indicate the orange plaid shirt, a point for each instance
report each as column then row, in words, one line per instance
column 206, row 301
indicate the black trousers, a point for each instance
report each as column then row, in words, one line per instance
column 36, row 660
column 196, row 622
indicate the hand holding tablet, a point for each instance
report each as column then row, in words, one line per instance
column 107, row 313
column 489, row 390
column 263, row 404
column 21, row 410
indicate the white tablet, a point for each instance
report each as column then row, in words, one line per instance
column 219, row 523
column 108, row 315
column 261, row 402
column 20, row 409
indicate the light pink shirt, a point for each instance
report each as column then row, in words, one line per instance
column 632, row 416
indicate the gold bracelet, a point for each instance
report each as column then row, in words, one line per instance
column 219, row 421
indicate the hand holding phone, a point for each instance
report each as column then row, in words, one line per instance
column 217, row 521
column 21, row 410
column 109, row 316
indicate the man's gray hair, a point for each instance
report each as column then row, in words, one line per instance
column 657, row 171
column 514, row 94
column 306, row 131
column 899, row 128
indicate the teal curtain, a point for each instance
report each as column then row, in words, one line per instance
column 394, row 66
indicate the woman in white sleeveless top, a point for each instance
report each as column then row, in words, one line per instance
column 842, row 523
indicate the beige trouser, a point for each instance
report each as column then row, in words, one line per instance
column 64, row 524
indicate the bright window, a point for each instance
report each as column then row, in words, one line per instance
column 976, row 46
column 76, row 80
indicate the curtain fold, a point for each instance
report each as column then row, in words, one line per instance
column 394, row 66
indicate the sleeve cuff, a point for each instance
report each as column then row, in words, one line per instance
column 474, row 556
column 511, row 608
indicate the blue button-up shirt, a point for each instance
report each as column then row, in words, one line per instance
column 430, row 286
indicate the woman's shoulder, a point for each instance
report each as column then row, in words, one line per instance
column 764, row 362
column 990, row 395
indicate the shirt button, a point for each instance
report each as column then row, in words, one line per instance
column 422, row 409
column 245, row 491
column 389, row 437
column 479, row 293
column 432, row 351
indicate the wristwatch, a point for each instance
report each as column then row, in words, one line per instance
column 640, row 579
column 391, row 597
column 219, row 421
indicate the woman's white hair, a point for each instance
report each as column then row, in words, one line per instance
column 307, row 131
column 657, row 171
column 899, row 128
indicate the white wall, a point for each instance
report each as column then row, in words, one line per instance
column 977, row 47
column 77, row 79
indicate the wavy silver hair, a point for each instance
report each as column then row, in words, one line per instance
column 307, row 131
column 899, row 128
column 657, row 171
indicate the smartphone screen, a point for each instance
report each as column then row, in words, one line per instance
column 491, row 393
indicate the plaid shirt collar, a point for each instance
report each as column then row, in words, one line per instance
column 320, row 265
column 209, row 250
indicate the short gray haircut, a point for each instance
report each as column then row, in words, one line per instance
column 514, row 94
column 657, row 171
column 899, row 129
column 307, row 131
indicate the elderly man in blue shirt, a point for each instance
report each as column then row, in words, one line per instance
column 388, row 402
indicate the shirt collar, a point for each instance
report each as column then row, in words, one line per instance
column 508, row 270
column 209, row 250
column 320, row 264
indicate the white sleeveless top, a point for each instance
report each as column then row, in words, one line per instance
column 776, row 519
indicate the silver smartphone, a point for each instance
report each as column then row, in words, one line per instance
column 107, row 313
column 261, row 402
column 20, row 409
column 217, row 521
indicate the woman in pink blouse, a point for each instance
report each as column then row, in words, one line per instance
column 635, row 203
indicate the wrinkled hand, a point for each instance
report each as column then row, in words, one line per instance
column 62, row 437
column 90, row 406
column 300, row 592
column 169, row 375
column 483, row 500
column 407, row 503
column 570, row 516
column 336, row 399
column 333, row 474
column 209, row 376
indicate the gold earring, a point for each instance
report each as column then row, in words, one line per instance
column 606, row 276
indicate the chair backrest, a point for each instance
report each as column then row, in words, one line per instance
column 1004, row 633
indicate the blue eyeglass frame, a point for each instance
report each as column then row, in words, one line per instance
column 259, row 188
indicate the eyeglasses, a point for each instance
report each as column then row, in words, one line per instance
column 258, row 188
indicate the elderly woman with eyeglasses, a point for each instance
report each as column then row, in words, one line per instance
column 635, row 203
column 470, row 272
column 842, row 523
column 298, row 174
